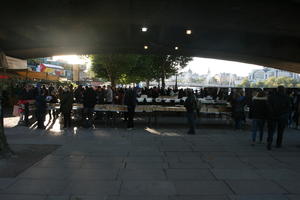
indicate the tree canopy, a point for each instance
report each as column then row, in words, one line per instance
column 132, row 68
column 272, row 82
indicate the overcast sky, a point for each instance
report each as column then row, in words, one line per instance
column 201, row 66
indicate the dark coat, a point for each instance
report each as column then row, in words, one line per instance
column 89, row 98
column 130, row 97
column 40, row 103
column 191, row 103
column 66, row 103
column 258, row 108
column 279, row 106
column 238, row 107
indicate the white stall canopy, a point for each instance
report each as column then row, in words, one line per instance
column 16, row 63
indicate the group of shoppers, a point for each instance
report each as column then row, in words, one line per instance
column 66, row 96
column 272, row 109
column 275, row 109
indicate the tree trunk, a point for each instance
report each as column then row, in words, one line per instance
column 147, row 83
column 163, row 83
column 113, row 82
column 176, row 84
column 163, row 77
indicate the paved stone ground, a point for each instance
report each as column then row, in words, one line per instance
column 154, row 164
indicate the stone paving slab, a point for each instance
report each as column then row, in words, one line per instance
column 147, row 188
column 236, row 174
column 198, row 197
column 143, row 197
column 115, row 164
column 291, row 186
column 189, row 165
column 279, row 174
column 259, row 197
column 293, row 197
column 189, row 174
column 255, row 187
column 142, row 174
column 202, row 188
column 22, row 197
column 93, row 188
column 37, row 187
column 146, row 165
column 46, row 173
column 93, row 174
column 5, row 182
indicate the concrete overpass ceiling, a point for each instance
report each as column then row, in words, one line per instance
column 260, row 32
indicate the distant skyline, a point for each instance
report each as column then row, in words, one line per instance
column 198, row 65
column 202, row 65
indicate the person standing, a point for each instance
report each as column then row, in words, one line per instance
column 279, row 106
column 191, row 107
column 66, row 105
column 258, row 115
column 109, row 95
column 238, row 109
column 130, row 101
column 89, row 102
column 41, row 107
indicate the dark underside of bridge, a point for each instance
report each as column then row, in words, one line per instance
column 258, row 31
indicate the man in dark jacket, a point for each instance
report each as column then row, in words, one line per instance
column 41, row 107
column 130, row 100
column 191, row 107
column 66, row 105
column 89, row 102
column 279, row 106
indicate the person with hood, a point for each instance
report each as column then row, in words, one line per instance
column 191, row 107
column 258, row 115
column 66, row 105
column 279, row 107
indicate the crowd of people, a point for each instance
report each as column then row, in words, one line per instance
column 275, row 108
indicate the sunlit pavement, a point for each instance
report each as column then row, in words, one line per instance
column 154, row 163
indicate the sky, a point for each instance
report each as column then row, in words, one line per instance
column 198, row 65
column 201, row 66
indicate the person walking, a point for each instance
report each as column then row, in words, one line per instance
column 191, row 107
column 258, row 115
column 279, row 106
column 130, row 101
column 66, row 105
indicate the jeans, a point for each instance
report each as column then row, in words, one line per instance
column 280, row 123
column 131, row 112
column 191, row 118
column 258, row 125
column 238, row 123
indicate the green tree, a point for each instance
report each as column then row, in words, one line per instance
column 132, row 68
column 245, row 83
column 112, row 67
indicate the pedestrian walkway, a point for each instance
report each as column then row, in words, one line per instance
column 155, row 164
